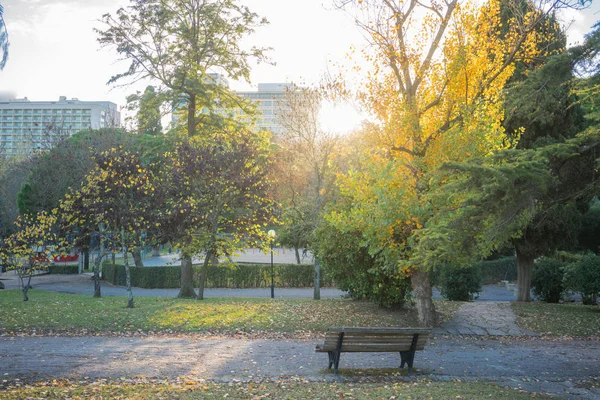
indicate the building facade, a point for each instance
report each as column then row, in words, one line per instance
column 270, row 100
column 27, row 126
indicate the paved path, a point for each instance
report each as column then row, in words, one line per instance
column 542, row 366
column 483, row 319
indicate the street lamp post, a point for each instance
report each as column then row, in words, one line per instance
column 272, row 235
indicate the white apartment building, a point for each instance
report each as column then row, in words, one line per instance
column 270, row 100
column 27, row 126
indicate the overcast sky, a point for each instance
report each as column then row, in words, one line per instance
column 54, row 52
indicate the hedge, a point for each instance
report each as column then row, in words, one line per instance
column 238, row 276
column 63, row 269
column 502, row 269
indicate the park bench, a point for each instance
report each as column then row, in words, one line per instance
column 406, row 341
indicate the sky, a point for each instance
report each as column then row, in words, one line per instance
column 54, row 52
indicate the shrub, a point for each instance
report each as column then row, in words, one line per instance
column 547, row 279
column 237, row 276
column 348, row 262
column 459, row 283
column 584, row 276
column 63, row 269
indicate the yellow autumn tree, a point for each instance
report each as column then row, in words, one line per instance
column 435, row 88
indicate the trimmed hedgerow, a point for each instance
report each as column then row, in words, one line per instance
column 221, row 276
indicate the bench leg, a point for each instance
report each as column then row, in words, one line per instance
column 407, row 357
column 336, row 362
column 330, row 353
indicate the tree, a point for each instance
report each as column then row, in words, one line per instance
column 148, row 115
column 178, row 43
column 116, row 201
column 3, row 40
column 217, row 195
column 435, row 89
column 306, row 176
column 27, row 250
column 489, row 202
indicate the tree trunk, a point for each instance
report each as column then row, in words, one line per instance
column 187, row 277
column 203, row 275
column 80, row 262
column 524, row 272
column 97, row 264
column 297, row 251
column 421, row 286
column 86, row 258
column 317, row 292
column 155, row 251
column 26, row 288
column 137, row 256
column 127, row 271
column 191, row 122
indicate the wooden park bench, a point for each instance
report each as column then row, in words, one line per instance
column 406, row 341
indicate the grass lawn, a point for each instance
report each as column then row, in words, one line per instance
column 569, row 319
column 57, row 312
column 270, row 390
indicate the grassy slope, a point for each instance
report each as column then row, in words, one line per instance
column 64, row 312
column 569, row 319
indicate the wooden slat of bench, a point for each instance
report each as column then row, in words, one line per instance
column 366, row 347
column 361, row 330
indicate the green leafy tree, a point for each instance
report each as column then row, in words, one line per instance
column 28, row 249
column 177, row 43
column 497, row 200
column 116, row 201
column 217, row 196
column 149, row 114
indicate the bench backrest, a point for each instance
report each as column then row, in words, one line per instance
column 375, row 339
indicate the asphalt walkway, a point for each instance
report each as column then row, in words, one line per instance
column 557, row 367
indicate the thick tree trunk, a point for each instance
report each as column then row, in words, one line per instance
column 127, row 271
column 421, row 286
column 187, row 277
column 203, row 275
column 137, row 257
column 317, row 293
column 297, row 252
column 524, row 272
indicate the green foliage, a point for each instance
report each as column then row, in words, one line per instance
column 547, row 279
column 24, row 199
column 149, row 115
column 491, row 202
column 163, row 43
column 584, row 276
column 65, row 166
column 348, row 262
column 239, row 276
column 589, row 236
column 459, row 283
column 143, row 277
column 63, row 269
